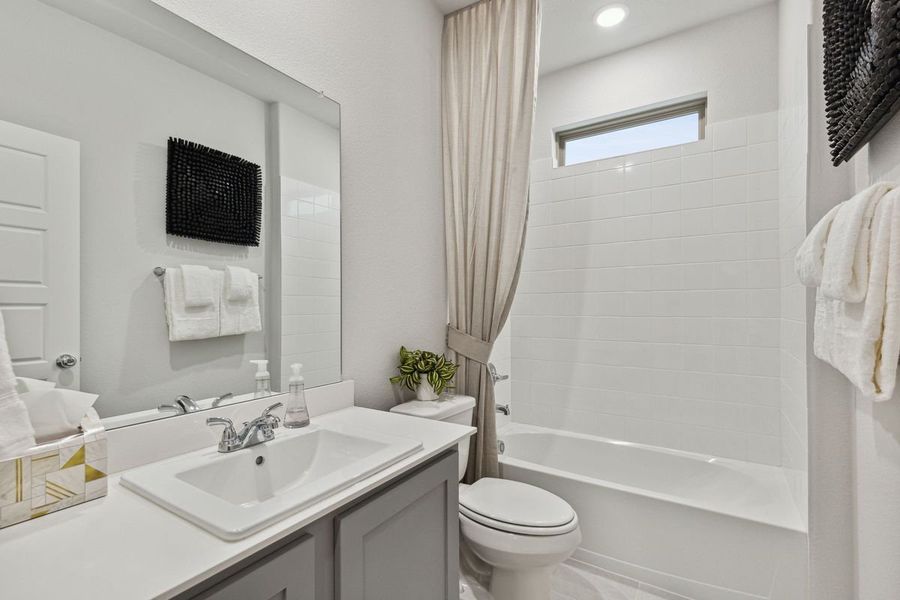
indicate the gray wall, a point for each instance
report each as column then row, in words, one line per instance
column 122, row 102
column 381, row 62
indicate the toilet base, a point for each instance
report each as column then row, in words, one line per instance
column 526, row 584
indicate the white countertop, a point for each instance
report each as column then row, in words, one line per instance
column 125, row 547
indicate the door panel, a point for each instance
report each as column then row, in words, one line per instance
column 39, row 250
column 403, row 544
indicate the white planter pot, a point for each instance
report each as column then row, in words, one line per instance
column 424, row 391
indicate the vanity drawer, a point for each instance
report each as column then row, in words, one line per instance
column 286, row 574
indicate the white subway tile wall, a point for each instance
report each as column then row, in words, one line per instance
column 649, row 305
column 311, row 282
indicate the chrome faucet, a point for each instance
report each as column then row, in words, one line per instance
column 259, row 430
column 221, row 399
column 181, row 405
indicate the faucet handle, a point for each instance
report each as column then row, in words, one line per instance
column 229, row 435
column 267, row 414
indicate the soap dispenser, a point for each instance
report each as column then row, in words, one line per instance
column 263, row 379
column 296, row 414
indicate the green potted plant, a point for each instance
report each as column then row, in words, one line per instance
column 426, row 373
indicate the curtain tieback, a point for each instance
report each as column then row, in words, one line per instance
column 470, row 347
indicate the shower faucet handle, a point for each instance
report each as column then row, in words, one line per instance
column 495, row 376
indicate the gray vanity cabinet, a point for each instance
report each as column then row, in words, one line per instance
column 286, row 574
column 402, row 544
column 399, row 542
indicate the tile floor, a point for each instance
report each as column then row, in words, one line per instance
column 579, row 581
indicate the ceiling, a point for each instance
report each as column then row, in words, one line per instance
column 569, row 35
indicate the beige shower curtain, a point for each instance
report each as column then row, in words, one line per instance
column 489, row 77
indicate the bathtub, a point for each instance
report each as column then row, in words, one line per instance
column 703, row 527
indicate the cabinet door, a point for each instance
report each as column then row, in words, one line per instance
column 403, row 544
column 287, row 574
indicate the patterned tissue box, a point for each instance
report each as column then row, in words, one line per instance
column 54, row 475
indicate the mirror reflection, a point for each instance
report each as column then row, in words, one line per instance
column 172, row 203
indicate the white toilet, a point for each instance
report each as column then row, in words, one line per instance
column 520, row 530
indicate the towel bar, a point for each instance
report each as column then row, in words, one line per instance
column 160, row 271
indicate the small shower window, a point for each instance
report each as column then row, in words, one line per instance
column 636, row 131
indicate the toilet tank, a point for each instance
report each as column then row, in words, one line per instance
column 455, row 409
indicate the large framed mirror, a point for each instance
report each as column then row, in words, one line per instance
column 93, row 92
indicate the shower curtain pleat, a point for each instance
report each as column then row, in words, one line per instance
column 490, row 56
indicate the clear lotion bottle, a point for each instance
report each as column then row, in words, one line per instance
column 296, row 414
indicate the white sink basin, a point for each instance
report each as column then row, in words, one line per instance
column 234, row 495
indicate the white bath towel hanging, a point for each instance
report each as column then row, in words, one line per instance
column 185, row 322
column 16, row 432
column 240, row 283
column 810, row 258
column 197, row 282
column 845, row 271
column 862, row 339
column 241, row 316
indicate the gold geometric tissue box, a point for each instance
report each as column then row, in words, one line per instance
column 54, row 475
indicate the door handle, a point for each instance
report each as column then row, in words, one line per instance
column 66, row 361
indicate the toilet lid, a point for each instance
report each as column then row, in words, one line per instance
column 515, row 506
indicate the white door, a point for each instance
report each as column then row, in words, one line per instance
column 39, row 251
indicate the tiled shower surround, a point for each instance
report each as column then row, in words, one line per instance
column 649, row 304
column 311, row 282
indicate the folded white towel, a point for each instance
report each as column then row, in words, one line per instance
column 862, row 339
column 198, row 286
column 845, row 272
column 241, row 316
column 185, row 322
column 239, row 284
column 810, row 258
column 16, row 433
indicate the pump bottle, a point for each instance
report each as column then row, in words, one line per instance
column 296, row 414
column 263, row 379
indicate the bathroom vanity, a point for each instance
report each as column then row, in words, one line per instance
column 393, row 533
column 400, row 541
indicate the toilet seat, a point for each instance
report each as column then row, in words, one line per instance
column 516, row 507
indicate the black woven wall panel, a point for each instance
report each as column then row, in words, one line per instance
column 211, row 195
column 862, row 75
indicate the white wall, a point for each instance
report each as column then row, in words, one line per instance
column 122, row 102
column 381, row 62
column 648, row 306
column 732, row 59
column 876, row 450
column 792, row 141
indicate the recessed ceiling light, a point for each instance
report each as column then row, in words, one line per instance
column 612, row 15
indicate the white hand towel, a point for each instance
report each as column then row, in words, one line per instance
column 862, row 339
column 239, row 284
column 16, row 433
column 845, row 272
column 810, row 258
column 238, row 317
column 198, row 286
column 185, row 322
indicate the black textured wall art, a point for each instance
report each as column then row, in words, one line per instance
column 862, row 74
column 211, row 195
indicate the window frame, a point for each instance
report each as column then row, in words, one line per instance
column 642, row 116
